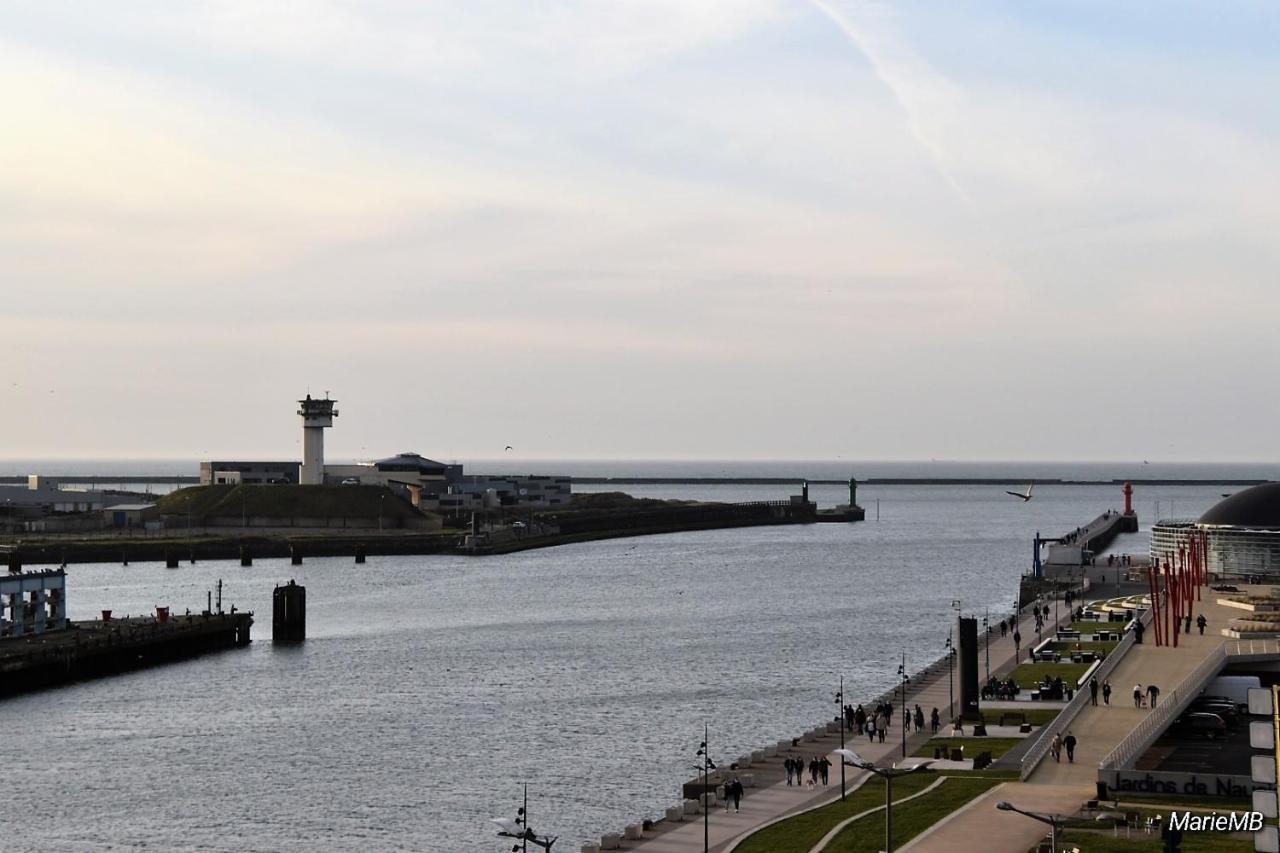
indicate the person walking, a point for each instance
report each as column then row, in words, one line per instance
column 1201, row 622
column 882, row 726
column 919, row 719
column 736, row 791
column 935, row 720
column 824, row 768
column 1055, row 747
column 1137, row 695
column 1154, row 693
column 1070, row 743
column 1017, row 644
column 1004, row 629
column 871, row 730
column 791, row 770
column 1106, row 691
column 1093, row 690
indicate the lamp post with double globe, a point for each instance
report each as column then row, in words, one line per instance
column 705, row 765
column 888, row 774
column 840, row 719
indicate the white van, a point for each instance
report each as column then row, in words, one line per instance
column 1233, row 687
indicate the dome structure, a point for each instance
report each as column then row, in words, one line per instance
column 1255, row 508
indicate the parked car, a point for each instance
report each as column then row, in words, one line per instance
column 1200, row 724
column 1229, row 713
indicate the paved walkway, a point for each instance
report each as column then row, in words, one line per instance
column 775, row 799
column 1061, row 788
column 981, row 828
column 1099, row 729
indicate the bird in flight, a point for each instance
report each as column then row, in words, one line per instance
column 509, row 447
column 1026, row 496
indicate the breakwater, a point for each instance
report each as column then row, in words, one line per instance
column 565, row 527
column 589, row 525
column 904, row 481
column 95, row 649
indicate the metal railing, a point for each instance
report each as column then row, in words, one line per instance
column 1174, row 704
column 1033, row 756
column 1253, row 647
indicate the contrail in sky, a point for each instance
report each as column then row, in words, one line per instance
column 928, row 98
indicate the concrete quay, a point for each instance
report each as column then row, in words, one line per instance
column 773, row 800
column 95, row 649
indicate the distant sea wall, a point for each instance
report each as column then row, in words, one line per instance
column 896, row 481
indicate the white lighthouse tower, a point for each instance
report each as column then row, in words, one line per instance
column 317, row 416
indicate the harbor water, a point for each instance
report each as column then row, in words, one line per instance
column 430, row 688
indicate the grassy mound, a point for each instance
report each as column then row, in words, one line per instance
column 208, row 502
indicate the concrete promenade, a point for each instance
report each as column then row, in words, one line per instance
column 1063, row 787
column 775, row 799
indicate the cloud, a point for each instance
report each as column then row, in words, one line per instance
column 931, row 102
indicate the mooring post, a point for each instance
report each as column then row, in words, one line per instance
column 170, row 561
column 289, row 613
column 295, row 554
column 360, row 551
column 246, row 558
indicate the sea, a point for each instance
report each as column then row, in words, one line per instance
column 431, row 689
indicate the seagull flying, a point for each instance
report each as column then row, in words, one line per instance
column 1026, row 496
column 509, row 447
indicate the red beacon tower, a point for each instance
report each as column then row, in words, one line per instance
column 1128, row 499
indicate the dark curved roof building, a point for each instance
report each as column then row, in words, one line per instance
column 1243, row 533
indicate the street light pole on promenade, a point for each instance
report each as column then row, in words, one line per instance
column 1054, row 822
column 904, row 680
column 707, row 765
column 520, row 830
column 840, row 706
column 888, row 774
column 951, row 677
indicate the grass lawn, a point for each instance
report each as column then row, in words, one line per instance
column 1036, row 716
column 1066, row 647
column 1031, row 674
column 800, row 833
column 910, row 818
column 998, row 746
column 1095, row 627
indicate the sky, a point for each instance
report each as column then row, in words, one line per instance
column 759, row 229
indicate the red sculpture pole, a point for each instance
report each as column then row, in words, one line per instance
column 1171, row 612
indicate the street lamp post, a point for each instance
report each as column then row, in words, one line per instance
column 904, row 680
column 888, row 774
column 520, row 830
column 706, row 766
column 951, row 677
column 1054, row 822
column 840, row 707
